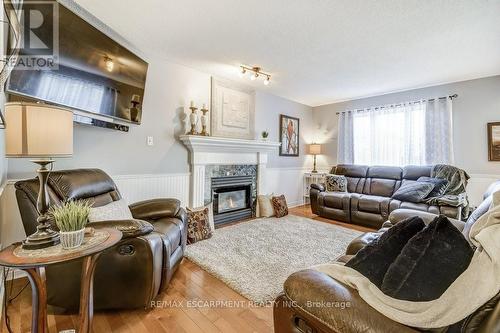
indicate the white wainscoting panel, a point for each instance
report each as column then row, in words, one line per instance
column 143, row 187
column 478, row 184
column 287, row 181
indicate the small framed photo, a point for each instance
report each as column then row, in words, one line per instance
column 494, row 141
column 289, row 136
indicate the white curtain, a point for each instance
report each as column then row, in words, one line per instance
column 414, row 133
column 345, row 143
column 439, row 131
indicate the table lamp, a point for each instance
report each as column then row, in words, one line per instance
column 314, row 149
column 40, row 132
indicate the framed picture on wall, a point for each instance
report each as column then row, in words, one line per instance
column 289, row 136
column 494, row 141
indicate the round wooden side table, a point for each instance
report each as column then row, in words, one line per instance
column 33, row 262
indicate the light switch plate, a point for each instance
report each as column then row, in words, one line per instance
column 150, row 141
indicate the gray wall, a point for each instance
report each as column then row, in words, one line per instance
column 477, row 104
column 267, row 114
column 169, row 88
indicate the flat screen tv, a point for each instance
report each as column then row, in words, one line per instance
column 95, row 75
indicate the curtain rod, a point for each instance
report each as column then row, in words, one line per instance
column 399, row 104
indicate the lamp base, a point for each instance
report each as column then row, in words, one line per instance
column 41, row 240
column 44, row 235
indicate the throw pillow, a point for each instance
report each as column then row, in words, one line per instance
column 280, row 206
column 429, row 263
column 265, row 205
column 117, row 210
column 198, row 225
column 374, row 259
column 413, row 191
column 210, row 207
column 336, row 183
column 440, row 186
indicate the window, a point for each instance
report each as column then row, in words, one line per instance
column 416, row 133
column 390, row 136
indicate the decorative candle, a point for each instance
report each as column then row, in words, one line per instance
column 192, row 104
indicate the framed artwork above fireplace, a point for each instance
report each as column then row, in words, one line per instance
column 233, row 110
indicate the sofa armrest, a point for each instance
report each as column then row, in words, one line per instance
column 314, row 192
column 317, row 298
column 156, row 209
column 318, row 187
column 399, row 215
column 129, row 228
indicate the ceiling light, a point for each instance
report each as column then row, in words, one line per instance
column 108, row 62
column 255, row 73
column 243, row 72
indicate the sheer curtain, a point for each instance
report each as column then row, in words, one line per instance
column 413, row 133
column 439, row 131
column 345, row 143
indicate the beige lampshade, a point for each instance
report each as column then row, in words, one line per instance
column 315, row 149
column 136, row 98
column 38, row 130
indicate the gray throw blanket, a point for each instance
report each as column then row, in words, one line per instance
column 455, row 191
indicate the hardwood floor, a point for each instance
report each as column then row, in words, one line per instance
column 194, row 302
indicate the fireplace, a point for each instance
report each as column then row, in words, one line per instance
column 232, row 198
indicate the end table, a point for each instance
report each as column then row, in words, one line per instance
column 33, row 262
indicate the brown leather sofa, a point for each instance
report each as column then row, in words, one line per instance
column 368, row 199
column 314, row 302
column 133, row 272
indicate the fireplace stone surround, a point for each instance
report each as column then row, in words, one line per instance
column 208, row 154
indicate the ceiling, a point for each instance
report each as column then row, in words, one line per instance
column 318, row 51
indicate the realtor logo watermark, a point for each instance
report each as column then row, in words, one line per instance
column 38, row 37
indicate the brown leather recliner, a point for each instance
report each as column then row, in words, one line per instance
column 133, row 272
column 368, row 199
column 315, row 302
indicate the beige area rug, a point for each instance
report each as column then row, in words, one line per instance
column 255, row 258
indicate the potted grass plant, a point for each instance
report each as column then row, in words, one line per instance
column 264, row 135
column 71, row 217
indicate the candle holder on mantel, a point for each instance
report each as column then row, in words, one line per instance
column 193, row 119
column 204, row 121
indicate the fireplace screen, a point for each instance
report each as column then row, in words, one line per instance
column 232, row 200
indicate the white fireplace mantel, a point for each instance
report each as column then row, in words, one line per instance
column 207, row 150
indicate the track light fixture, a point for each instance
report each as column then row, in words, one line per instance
column 255, row 73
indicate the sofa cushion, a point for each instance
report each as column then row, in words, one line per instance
column 439, row 185
column 373, row 203
column 335, row 199
column 336, row 183
column 380, row 186
column 375, row 258
column 116, row 210
column 413, row 191
column 429, row 263
column 385, row 172
column 414, row 172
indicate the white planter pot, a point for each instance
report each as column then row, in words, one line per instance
column 71, row 239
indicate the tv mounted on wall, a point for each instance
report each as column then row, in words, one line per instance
column 97, row 77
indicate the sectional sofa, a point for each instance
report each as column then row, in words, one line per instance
column 368, row 199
